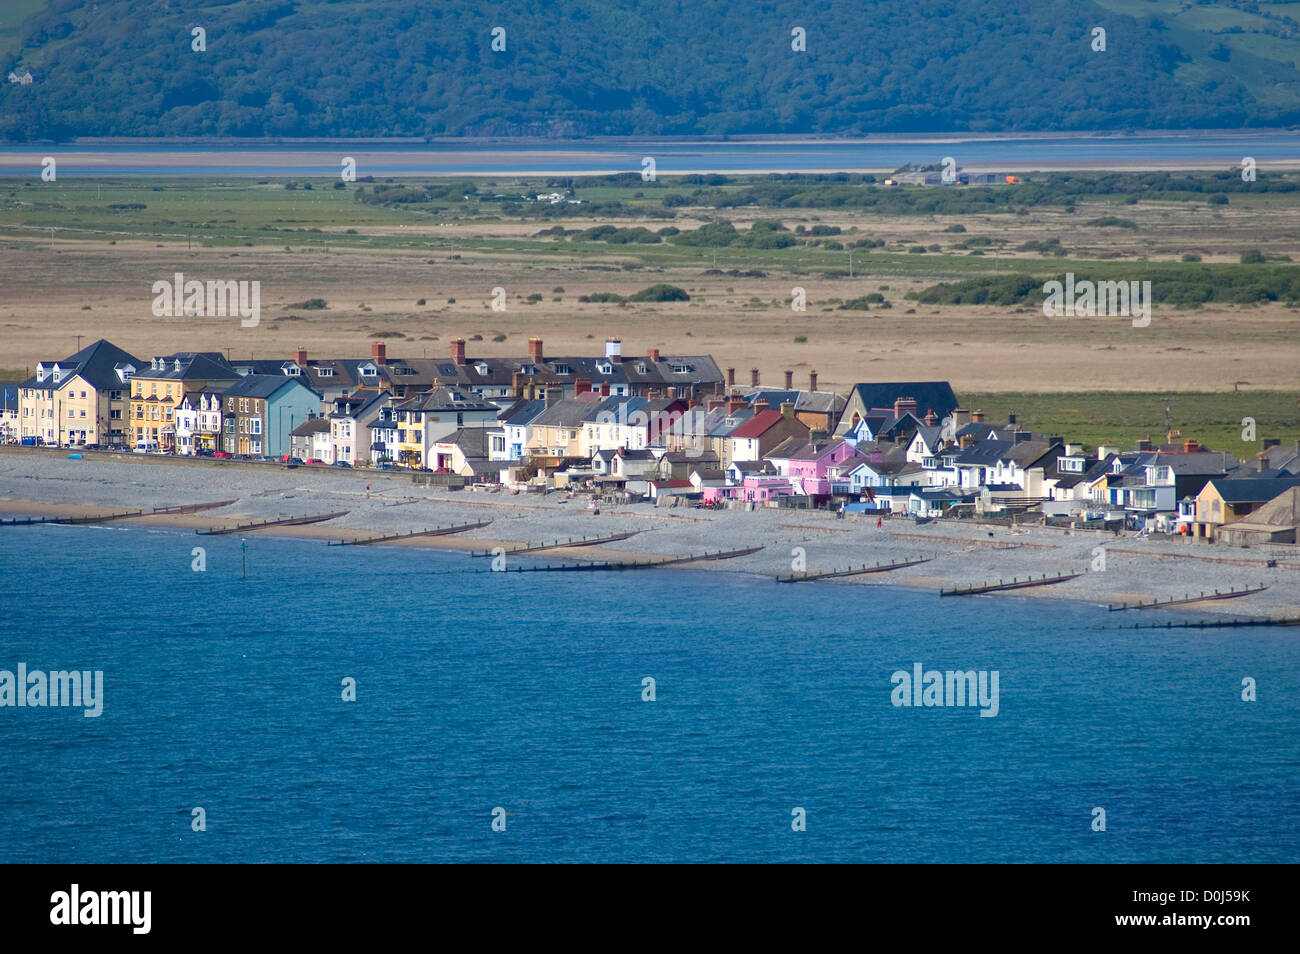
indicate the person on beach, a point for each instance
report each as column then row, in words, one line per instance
column 879, row 523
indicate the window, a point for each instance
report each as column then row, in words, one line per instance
column 325, row 372
column 256, row 425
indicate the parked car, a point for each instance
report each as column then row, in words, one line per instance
column 293, row 460
column 316, row 462
column 340, row 463
column 221, row 454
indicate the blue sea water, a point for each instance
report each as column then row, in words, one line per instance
column 478, row 690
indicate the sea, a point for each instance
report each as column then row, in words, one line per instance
column 672, row 156
column 507, row 717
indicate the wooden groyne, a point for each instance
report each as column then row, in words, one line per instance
column 97, row 518
column 1231, row 594
column 1014, row 584
column 1218, row 623
column 432, row 532
column 633, row 564
column 558, row 544
column 281, row 522
column 851, row 571
column 123, row 515
column 194, row 508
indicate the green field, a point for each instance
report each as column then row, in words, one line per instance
column 1214, row 420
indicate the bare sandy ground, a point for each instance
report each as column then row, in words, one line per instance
column 60, row 296
column 961, row 553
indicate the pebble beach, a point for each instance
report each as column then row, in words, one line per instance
column 1131, row 568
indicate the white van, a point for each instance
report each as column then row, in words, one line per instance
column 146, row 447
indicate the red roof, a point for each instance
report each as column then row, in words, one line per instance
column 758, row 425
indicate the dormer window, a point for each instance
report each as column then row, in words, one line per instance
column 293, row 371
column 325, row 372
column 604, row 367
column 642, row 369
column 683, row 368
column 561, row 368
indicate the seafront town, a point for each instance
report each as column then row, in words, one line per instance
column 669, row 430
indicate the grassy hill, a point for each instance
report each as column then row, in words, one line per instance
column 342, row 68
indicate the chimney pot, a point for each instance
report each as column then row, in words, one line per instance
column 812, row 380
column 789, row 380
column 731, row 377
column 753, row 377
column 977, row 417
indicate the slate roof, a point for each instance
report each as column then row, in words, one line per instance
column 473, row 441
column 97, row 363
column 313, row 425
column 446, row 399
column 1253, row 490
column 567, row 413
column 934, row 396
column 263, row 386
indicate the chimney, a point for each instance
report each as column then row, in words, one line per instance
column 789, row 380
column 535, row 350
column 553, row 395
column 760, row 405
column 735, row 403
column 672, row 394
column 1053, row 441
column 1271, row 442
column 904, row 405
column 581, row 386
column 931, row 418
column 613, row 348
column 379, row 351
column 652, row 394
column 1262, row 460
column 966, row 441
column 731, row 377
column 815, row 435
column 1011, row 418
column 960, row 417
column 604, row 389
column 517, row 384
column 753, row 377
column 300, row 355
column 653, row 354
column 714, row 403
column 1144, row 444
column 458, row 350
column 1190, row 446
column 812, row 380
column 787, row 410
column 977, row 417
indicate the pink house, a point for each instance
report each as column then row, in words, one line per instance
column 807, row 464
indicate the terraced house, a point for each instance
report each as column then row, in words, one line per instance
column 80, row 400
column 261, row 411
column 158, row 390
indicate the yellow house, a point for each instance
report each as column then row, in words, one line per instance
column 557, row 432
column 1224, row 502
column 79, row 401
column 157, row 391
